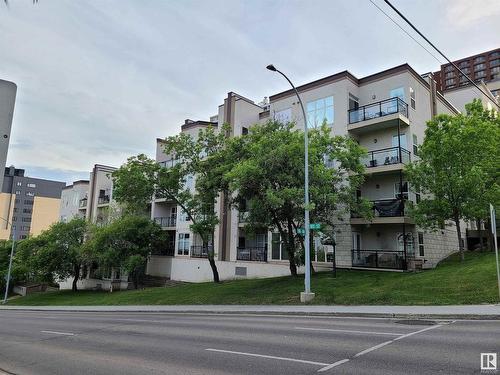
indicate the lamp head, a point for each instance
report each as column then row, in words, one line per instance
column 271, row 67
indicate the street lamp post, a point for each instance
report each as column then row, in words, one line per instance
column 10, row 260
column 305, row 296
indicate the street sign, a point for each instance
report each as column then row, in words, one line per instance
column 316, row 226
column 301, row 231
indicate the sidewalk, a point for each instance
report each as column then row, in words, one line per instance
column 436, row 312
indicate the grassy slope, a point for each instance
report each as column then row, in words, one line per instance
column 452, row 282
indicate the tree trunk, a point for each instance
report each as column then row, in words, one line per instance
column 214, row 268
column 490, row 239
column 291, row 249
column 481, row 240
column 459, row 236
column 76, row 271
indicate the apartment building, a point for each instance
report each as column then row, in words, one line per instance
column 74, row 200
column 483, row 68
column 8, row 92
column 29, row 205
column 386, row 113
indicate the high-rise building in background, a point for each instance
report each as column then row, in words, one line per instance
column 483, row 68
column 30, row 204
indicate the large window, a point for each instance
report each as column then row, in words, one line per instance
column 278, row 251
column 421, row 244
column 412, row 98
column 284, row 116
column 398, row 92
column 319, row 111
column 183, row 244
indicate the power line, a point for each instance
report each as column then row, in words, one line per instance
column 441, row 53
column 406, row 32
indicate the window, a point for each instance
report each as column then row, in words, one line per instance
column 480, row 74
column 28, row 202
column 397, row 190
column 19, row 183
column 479, row 67
column 183, row 216
column 14, row 218
column 27, row 210
column 466, row 71
column 495, row 62
column 25, row 228
column 244, row 130
column 189, row 182
column 284, row 116
column 183, row 244
column 30, row 194
column 463, row 64
column 402, row 140
column 23, row 236
column 494, row 54
column 18, row 192
column 31, row 185
column 319, row 111
column 412, row 97
column 26, row 220
column 449, row 68
column 496, row 69
column 278, row 252
column 449, row 75
column 450, row 82
column 398, row 93
column 15, row 209
column 479, row 59
column 415, row 145
column 421, row 244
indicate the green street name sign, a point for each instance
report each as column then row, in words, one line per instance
column 313, row 226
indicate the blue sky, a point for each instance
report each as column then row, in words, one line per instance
column 99, row 81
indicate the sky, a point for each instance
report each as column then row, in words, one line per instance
column 99, row 81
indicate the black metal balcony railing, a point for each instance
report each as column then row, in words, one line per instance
column 254, row 254
column 386, row 156
column 198, row 251
column 164, row 222
column 391, row 259
column 168, row 163
column 164, row 252
column 103, row 199
column 385, row 208
column 83, row 203
column 379, row 109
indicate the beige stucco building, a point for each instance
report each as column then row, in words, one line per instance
column 386, row 113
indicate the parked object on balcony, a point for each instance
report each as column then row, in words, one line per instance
column 378, row 109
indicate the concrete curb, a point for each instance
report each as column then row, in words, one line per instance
column 476, row 312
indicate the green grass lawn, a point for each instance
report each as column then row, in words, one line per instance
column 452, row 282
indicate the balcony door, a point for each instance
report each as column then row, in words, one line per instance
column 356, row 241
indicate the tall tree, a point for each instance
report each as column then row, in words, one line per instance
column 267, row 173
column 457, row 170
column 60, row 252
column 126, row 243
column 141, row 178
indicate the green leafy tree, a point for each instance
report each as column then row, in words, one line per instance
column 267, row 173
column 457, row 170
column 126, row 244
column 141, row 178
column 60, row 252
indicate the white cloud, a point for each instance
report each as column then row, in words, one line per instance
column 466, row 13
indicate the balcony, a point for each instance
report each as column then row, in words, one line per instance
column 386, row 259
column 168, row 163
column 201, row 251
column 169, row 252
column 82, row 203
column 104, row 199
column 385, row 211
column 252, row 254
column 379, row 115
column 386, row 160
column 166, row 222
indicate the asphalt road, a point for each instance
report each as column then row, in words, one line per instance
column 162, row 343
